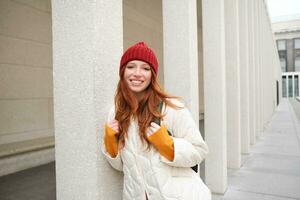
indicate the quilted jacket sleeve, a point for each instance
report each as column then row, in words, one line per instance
column 189, row 146
column 115, row 162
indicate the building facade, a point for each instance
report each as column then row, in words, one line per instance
column 223, row 53
column 287, row 36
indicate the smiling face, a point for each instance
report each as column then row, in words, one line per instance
column 137, row 75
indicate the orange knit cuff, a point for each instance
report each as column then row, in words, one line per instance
column 110, row 141
column 163, row 142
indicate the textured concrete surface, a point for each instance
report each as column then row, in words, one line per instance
column 244, row 75
column 214, row 93
column 233, row 94
column 180, row 25
column 26, row 70
column 86, row 75
column 271, row 171
column 16, row 163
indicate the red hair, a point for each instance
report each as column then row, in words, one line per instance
column 144, row 110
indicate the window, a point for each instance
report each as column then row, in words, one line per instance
column 296, row 85
column 297, row 43
column 290, row 86
column 281, row 45
column 284, row 86
column 283, row 64
column 297, row 64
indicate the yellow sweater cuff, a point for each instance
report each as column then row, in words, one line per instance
column 110, row 141
column 163, row 142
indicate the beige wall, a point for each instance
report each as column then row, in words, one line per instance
column 26, row 105
column 142, row 21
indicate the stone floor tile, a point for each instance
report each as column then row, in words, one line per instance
column 243, row 195
column 33, row 184
column 268, row 183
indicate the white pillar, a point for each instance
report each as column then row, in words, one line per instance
column 181, row 52
column 261, row 47
column 244, row 76
column 257, row 67
column 215, row 94
column 252, row 99
column 298, row 84
column 287, row 86
column 232, row 83
column 85, row 66
column 293, row 85
column 264, row 68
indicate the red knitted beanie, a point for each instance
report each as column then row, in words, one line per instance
column 140, row 51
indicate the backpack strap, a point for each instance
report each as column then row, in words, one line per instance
column 157, row 121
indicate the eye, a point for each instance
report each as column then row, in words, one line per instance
column 129, row 66
column 146, row 68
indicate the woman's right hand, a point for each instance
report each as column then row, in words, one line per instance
column 110, row 138
column 114, row 125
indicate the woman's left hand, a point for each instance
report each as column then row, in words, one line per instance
column 152, row 129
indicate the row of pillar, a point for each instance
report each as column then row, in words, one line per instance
column 237, row 48
column 251, row 72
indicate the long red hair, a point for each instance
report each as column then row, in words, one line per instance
column 144, row 110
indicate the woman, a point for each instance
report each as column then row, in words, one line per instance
column 156, row 158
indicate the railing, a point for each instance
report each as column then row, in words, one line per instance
column 290, row 84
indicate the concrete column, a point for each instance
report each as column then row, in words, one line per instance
column 252, row 99
column 215, row 94
column 257, row 67
column 287, row 86
column 85, row 66
column 254, row 40
column 293, row 84
column 261, row 47
column 232, row 83
column 264, row 64
column 244, row 76
column 298, row 84
column 181, row 52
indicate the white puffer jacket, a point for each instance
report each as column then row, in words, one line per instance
column 146, row 171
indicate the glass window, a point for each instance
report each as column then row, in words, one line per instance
column 297, row 64
column 290, row 85
column 284, row 86
column 282, row 54
column 283, row 64
column 281, row 45
column 296, row 85
column 297, row 43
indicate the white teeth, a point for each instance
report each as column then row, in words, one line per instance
column 136, row 82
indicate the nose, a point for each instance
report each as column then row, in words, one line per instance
column 137, row 71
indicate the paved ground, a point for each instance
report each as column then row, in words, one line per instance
column 270, row 172
column 272, row 169
column 34, row 184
